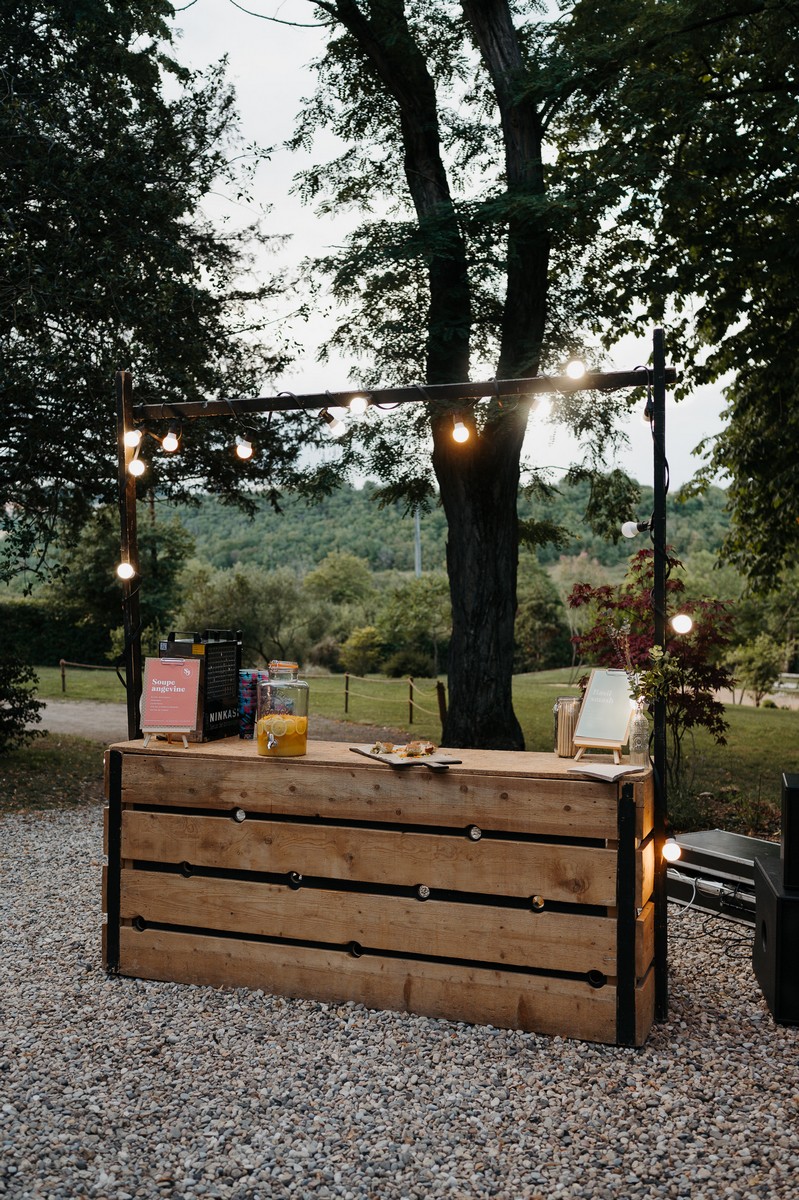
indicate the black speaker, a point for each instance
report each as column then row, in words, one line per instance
column 775, row 953
column 789, row 844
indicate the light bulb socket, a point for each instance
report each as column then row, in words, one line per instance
column 631, row 529
column 335, row 427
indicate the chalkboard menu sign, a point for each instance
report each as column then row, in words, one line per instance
column 605, row 714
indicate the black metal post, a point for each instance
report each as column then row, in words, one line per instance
column 131, row 620
column 659, row 611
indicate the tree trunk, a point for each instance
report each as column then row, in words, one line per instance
column 478, row 480
column 479, row 483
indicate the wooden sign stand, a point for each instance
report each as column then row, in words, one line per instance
column 170, row 698
column 605, row 714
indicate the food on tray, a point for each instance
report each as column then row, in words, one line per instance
column 417, row 749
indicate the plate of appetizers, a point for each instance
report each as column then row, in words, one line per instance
column 418, row 752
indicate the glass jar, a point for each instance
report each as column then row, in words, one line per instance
column 567, row 710
column 282, row 725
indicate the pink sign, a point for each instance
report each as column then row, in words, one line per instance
column 169, row 695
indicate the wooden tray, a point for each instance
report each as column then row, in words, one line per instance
column 434, row 762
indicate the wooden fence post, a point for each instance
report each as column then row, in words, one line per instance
column 347, row 693
column 410, row 700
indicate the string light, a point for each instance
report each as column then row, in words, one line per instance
column 244, row 449
column 682, row 623
column 132, row 438
column 334, row 427
column 136, row 467
column 358, row 405
column 459, row 431
column 172, row 440
column 575, row 369
column 125, row 570
column 672, row 850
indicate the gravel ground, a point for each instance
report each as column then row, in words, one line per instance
column 120, row 1088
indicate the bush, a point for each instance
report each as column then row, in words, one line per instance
column 47, row 635
column 360, row 654
column 409, row 661
column 326, row 653
column 18, row 704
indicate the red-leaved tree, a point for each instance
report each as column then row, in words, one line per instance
column 688, row 671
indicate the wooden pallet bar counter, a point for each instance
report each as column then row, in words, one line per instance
column 504, row 891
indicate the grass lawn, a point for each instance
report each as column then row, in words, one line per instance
column 734, row 787
column 56, row 771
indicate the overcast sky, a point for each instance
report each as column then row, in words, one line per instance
column 268, row 66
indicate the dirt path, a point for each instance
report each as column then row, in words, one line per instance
column 109, row 723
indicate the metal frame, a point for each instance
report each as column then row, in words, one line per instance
column 129, row 414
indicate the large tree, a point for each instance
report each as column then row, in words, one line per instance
column 108, row 148
column 444, row 110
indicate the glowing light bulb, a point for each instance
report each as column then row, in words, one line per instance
column 671, row 850
column 358, row 405
column 682, row 623
column 136, row 467
column 170, row 443
column 575, row 369
column 132, row 438
column 244, row 449
column 125, row 571
column 459, row 431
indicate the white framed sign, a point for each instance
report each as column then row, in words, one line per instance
column 605, row 714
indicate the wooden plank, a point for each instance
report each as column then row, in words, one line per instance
column 644, row 1006
column 576, row 874
column 644, row 873
column 361, row 790
column 481, row 933
column 644, row 790
column 645, row 940
column 521, row 764
column 105, row 829
column 548, row 1005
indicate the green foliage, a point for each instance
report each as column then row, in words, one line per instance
column 757, row 665
column 88, row 594
column 107, row 261
column 46, row 635
column 340, row 578
column 542, row 636
column 680, row 123
column 270, row 608
column 351, row 522
column 414, row 625
column 361, row 652
column 18, row 704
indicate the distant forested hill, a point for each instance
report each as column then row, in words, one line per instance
column 351, row 520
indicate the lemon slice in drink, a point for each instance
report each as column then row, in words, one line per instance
column 278, row 726
column 302, row 725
